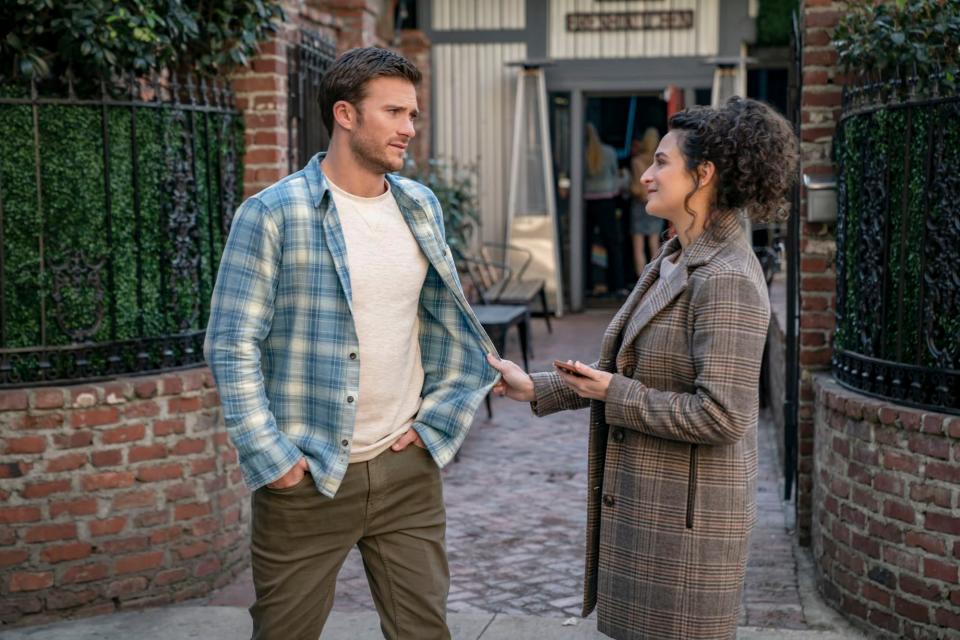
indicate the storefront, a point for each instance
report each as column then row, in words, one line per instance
column 622, row 65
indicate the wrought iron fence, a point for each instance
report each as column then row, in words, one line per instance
column 115, row 201
column 898, row 244
column 307, row 60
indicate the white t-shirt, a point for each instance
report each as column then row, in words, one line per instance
column 387, row 271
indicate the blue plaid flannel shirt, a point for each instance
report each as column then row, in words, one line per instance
column 283, row 348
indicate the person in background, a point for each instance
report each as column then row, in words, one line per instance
column 601, row 188
column 645, row 228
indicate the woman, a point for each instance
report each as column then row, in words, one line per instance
column 601, row 188
column 644, row 227
column 674, row 396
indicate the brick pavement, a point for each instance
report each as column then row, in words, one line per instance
column 516, row 511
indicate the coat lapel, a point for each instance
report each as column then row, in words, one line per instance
column 663, row 294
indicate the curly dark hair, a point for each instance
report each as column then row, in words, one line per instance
column 754, row 150
column 347, row 77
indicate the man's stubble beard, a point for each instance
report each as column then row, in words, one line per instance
column 369, row 153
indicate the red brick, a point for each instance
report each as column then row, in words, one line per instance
column 818, row 37
column 927, row 542
column 107, row 458
column 48, row 398
column 933, row 568
column 11, row 557
column 81, row 507
column 166, row 427
column 44, row 489
column 811, row 78
column 192, row 550
column 955, row 597
column 172, row 385
column 953, row 429
column 875, row 593
column 257, row 84
column 170, row 576
column 814, row 357
column 126, row 588
column 941, row 471
column 191, row 510
column 108, row 480
column 84, row 573
column 902, row 559
column 918, row 587
column 73, row 440
column 912, row 610
column 37, row 422
column 932, row 423
column 31, row 581
column 827, row 58
column 67, row 462
column 940, row 496
column 180, row 491
column 823, row 321
column 947, row 619
column 119, row 546
column 884, row 620
column 184, row 405
column 145, row 389
column 140, row 562
column 26, row 444
column 206, row 567
column 942, row 523
column 148, row 452
column 68, row 599
column 142, row 410
column 13, row 400
column 929, row 446
column 94, row 417
column 889, row 531
column 11, row 515
column 189, row 446
column 167, row 534
column 909, row 420
column 205, row 465
column 159, row 472
column 203, row 528
column 106, row 527
column 63, row 552
column 128, row 433
column 134, row 500
column 48, row 532
column 896, row 461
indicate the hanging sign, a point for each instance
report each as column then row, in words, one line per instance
column 630, row 21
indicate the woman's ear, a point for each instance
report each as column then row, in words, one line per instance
column 707, row 172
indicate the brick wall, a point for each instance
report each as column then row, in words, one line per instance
column 820, row 111
column 886, row 528
column 115, row 495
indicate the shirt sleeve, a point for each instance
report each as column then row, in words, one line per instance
column 241, row 314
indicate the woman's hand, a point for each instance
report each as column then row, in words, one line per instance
column 591, row 383
column 514, row 382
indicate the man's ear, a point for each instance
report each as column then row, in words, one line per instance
column 344, row 115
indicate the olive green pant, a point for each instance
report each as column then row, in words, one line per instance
column 390, row 507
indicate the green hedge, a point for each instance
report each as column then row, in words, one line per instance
column 882, row 138
column 74, row 219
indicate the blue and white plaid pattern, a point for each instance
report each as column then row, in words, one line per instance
column 282, row 344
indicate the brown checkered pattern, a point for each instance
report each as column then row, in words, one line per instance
column 673, row 450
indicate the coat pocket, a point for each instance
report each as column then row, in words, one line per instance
column 692, row 484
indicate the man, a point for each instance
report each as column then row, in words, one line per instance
column 349, row 365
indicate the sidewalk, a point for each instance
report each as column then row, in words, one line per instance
column 516, row 519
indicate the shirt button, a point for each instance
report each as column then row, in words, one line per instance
column 345, row 442
column 618, row 435
column 608, row 500
column 353, row 356
column 349, row 398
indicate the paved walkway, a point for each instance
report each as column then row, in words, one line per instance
column 516, row 516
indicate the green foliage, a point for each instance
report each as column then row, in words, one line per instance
column 455, row 188
column 904, row 39
column 775, row 22
column 70, row 218
column 96, row 38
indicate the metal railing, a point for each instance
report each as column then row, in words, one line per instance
column 115, row 201
column 898, row 244
column 307, row 60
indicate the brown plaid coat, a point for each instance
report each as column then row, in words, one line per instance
column 673, row 449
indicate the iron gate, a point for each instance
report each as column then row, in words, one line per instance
column 307, row 60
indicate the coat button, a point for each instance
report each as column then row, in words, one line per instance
column 608, row 500
column 618, row 435
column 353, row 356
column 349, row 398
column 628, row 372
